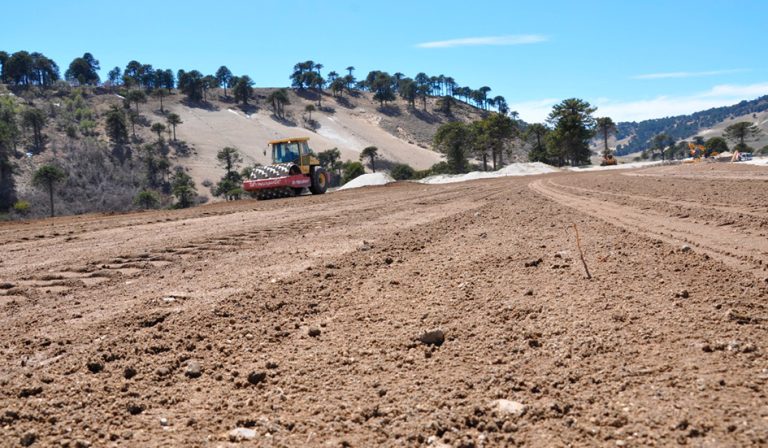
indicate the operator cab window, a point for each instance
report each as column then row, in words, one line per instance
column 286, row 152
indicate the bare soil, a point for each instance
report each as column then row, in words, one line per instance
column 298, row 320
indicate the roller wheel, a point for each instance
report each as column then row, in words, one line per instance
column 319, row 181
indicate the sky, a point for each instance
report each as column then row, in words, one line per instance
column 632, row 59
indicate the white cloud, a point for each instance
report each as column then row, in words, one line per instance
column 535, row 111
column 750, row 90
column 520, row 39
column 687, row 74
column 658, row 107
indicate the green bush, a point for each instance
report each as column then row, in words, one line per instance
column 235, row 193
column 351, row 171
column 421, row 174
column 21, row 207
column 402, row 171
column 763, row 150
column 743, row 148
column 147, row 199
column 440, row 168
column 88, row 128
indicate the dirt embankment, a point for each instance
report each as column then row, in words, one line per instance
column 296, row 322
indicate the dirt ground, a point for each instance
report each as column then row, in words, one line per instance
column 314, row 321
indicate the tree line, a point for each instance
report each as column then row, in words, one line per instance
column 641, row 134
column 386, row 88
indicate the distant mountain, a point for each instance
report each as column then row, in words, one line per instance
column 638, row 134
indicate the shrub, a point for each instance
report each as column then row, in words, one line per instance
column 71, row 131
column 440, row 168
column 351, row 171
column 147, row 199
column 21, row 207
column 743, row 148
column 88, row 128
column 421, row 174
column 235, row 193
column 402, row 171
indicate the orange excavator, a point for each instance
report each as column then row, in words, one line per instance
column 608, row 160
column 697, row 151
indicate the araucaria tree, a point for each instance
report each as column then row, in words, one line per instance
column 309, row 108
column 660, row 143
column 160, row 93
column 229, row 158
column 500, row 130
column 46, row 177
column 307, row 74
column 536, row 136
column 452, row 139
column 35, row 119
column 243, row 89
column 84, row 70
column 173, row 121
column 380, row 84
column 136, row 97
column 116, row 126
column 371, row 153
column 158, row 128
column 741, row 132
column 25, row 69
column 409, row 91
column 183, row 188
column 229, row 186
column 605, row 128
column 279, row 99
column 192, row 84
column 223, row 78
column 573, row 128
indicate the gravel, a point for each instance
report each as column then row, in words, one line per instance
column 193, row 369
column 432, row 337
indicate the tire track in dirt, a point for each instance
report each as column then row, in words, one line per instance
column 112, row 270
column 738, row 250
column 609, row 361
column 671, row 202
column 702, row 171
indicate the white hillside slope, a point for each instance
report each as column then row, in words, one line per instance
column 348, row 130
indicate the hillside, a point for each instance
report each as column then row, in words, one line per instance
column 348, row 123
column 109, row 176
column 634, row 136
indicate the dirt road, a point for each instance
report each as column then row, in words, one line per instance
column 296, row 322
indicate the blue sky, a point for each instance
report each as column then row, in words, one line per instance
column 633, row 59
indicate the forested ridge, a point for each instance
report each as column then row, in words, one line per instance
column 682, row 126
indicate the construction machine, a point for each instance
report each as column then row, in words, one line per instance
column 699, row 152
column 608, row 160
column 294, row 168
